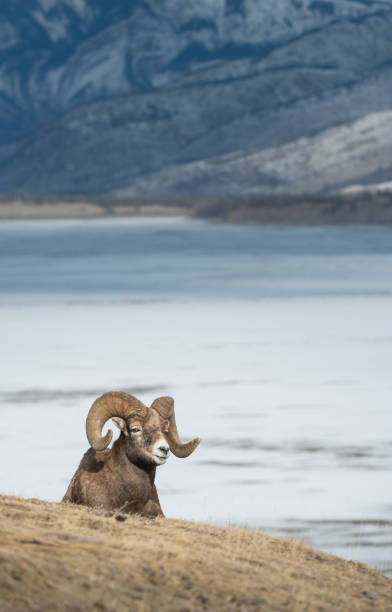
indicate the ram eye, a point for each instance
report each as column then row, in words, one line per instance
column 136, row 430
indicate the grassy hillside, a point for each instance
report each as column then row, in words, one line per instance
column 61, row 557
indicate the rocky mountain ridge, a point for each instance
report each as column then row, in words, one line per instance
column 100, row 97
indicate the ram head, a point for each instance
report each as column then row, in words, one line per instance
column 151, row 431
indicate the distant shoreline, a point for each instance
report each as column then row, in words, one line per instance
column 23, row 210
column 334, row 209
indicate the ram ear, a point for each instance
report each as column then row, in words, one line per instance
column 121, row 424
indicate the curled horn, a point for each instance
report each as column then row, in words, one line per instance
column 164, row 406
column 107, row 406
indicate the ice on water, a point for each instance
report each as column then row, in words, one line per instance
column 275, row 342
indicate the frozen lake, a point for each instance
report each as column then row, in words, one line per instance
column 276, row 343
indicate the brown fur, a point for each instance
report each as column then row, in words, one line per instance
column 121, row 478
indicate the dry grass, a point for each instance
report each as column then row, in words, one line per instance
column 20, row 209
column 60, row 557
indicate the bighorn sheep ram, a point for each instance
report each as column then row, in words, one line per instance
column 122, row 478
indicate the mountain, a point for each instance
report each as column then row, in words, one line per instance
column 215, row 96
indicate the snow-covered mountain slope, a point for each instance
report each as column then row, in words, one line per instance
column 96, row 94
column 337, row 156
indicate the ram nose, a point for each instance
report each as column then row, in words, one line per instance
column 164, row 449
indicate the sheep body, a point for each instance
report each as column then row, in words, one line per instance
column 108, row 480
